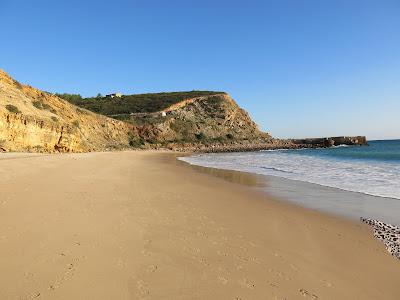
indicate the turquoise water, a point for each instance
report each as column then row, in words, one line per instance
column 377, row 151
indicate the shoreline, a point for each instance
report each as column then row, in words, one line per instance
column 356, row 201
column 299, row 187
column 132, row 224
column 273, row 144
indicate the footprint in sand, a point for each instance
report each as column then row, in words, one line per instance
column 28, row 275
column 294, row 267
column 279, row 274
column 221, row 229
column 220, row 253
column 272, row 284
column 146, row 245
column 142, row 288
column 34, row 295
column 68, row 274
column 222, row 280
column 326, row 283
column 247, row 283
column 307, row 294
column 121, row 263
column 252, row 244
column 151, row 268
column 65, row 276
column 204, row 261
column 276, row 254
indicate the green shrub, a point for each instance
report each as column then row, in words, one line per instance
column 41, row 105
column 54, row 118
column 37, row 148
column 140, row 103
column 19, row 85
column 76, row 123
column 37, row 104
column 214, row 100
column 200, row 136
column 82, row 111
column 135, row 141
column 70, row 97
column 12, row 108
column 229, row 136
column 219, row 139
column 180, row 126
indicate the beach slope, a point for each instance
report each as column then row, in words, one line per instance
column 139, row 225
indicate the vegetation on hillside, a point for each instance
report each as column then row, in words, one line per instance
column 139, row 103
column 12, row 108
column 41, row 105
column 213, row 121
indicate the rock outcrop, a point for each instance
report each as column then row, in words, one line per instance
column 332, row 141
column 387, row 233
column 200, row 122
column 32, row 120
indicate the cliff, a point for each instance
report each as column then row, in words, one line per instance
column 199, row 122
column 32, row 120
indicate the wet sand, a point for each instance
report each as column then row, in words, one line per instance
column 334, row 201
column 139, row 225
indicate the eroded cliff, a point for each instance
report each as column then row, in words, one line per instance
column 32, row 120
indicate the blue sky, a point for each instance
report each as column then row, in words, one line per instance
column 301, row 68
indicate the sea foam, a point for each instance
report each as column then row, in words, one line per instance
column 378, row 178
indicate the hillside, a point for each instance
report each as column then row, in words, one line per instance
column 180, row 119
column 32, row 120
column 205, row 120
column 139, row 103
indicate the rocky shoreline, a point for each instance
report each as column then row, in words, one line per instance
column 272, row 144
column 387, row 233
column 333, row 141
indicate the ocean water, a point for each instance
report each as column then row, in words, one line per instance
column 372, row 171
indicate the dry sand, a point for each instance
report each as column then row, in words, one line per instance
column 133, row 225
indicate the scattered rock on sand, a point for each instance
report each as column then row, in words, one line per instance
column 387, row 233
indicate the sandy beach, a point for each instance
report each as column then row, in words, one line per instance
column 137, row 225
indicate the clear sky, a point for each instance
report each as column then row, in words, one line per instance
column 301, row 68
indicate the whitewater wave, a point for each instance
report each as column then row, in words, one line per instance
column 380, row 179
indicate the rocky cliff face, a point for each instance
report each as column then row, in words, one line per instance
column 32, row 120
column 199, row 122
